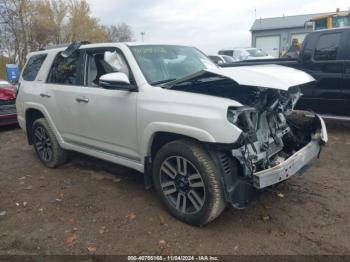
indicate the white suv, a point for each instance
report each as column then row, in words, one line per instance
column 203, row 136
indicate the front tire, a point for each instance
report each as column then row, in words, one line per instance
column 188, row 182
column 46, row 145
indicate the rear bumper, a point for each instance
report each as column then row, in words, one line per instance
column 9, row 119
column 296, row 163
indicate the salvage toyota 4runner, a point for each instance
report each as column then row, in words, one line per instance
column 203, row 136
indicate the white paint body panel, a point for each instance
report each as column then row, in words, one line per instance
column 118, row 125
column 269, row 76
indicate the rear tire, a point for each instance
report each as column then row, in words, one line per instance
column 188, row 182
column 46, row 145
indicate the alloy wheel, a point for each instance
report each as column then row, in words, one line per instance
column 182, row 184
column 43, row 144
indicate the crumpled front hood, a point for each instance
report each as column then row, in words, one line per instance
column 7, row 94
column 268, row 76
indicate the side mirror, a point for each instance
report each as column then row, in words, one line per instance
column 117, row 80
column 220, row 62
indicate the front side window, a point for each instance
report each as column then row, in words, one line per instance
column 327, row 47
column 33, row 66
column 101, row 62
column 64, row 70
column 164, row 63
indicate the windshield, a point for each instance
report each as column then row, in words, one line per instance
column 164, row 63
column 256, row 52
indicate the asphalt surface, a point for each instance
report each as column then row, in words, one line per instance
column 90, row 206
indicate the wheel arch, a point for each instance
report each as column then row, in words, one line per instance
column 31, row 115
column 157, row 134
column 34, row 112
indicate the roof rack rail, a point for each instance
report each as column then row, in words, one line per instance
column 55, row 46
column 64, row 45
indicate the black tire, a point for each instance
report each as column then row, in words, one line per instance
column 173, row 191
column 44, row 139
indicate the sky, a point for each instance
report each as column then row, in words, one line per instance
column 207, row 24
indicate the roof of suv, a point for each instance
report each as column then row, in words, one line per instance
column 61, row 48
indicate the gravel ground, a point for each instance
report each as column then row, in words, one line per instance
column 90, row 206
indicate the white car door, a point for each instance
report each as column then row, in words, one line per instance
column 107, row 116
column 95, row 118
column 63, row 85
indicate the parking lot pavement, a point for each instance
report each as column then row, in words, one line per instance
column 90, row 206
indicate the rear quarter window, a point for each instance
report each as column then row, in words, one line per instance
column 33, row 66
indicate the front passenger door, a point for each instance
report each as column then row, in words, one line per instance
column 107, row 118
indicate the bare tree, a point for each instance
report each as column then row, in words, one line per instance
column 29, row 25
column 15, row 20
column 119, row 33
column 59, row 9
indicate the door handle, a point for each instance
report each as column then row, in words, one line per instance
column 45, row 95
column 80, row 99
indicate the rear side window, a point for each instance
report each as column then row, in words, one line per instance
column 327, row 47
column 33, row 66
column 64, row 70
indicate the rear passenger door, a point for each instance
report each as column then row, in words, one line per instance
column 63, row 85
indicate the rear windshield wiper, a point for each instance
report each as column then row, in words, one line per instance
column 163, row 81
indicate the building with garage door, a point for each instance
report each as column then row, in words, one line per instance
column 275, row 35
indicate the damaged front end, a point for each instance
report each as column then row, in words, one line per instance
column 276, row 142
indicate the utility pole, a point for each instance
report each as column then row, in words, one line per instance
column 142, row 35
column 254, row 14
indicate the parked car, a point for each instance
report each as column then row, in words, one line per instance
column 325, row 55
column 222, row 59
column 8, row 114
column 5, row 84
column 242, row 54
column 203, row 136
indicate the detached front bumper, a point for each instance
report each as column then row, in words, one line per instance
column 295, row 163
